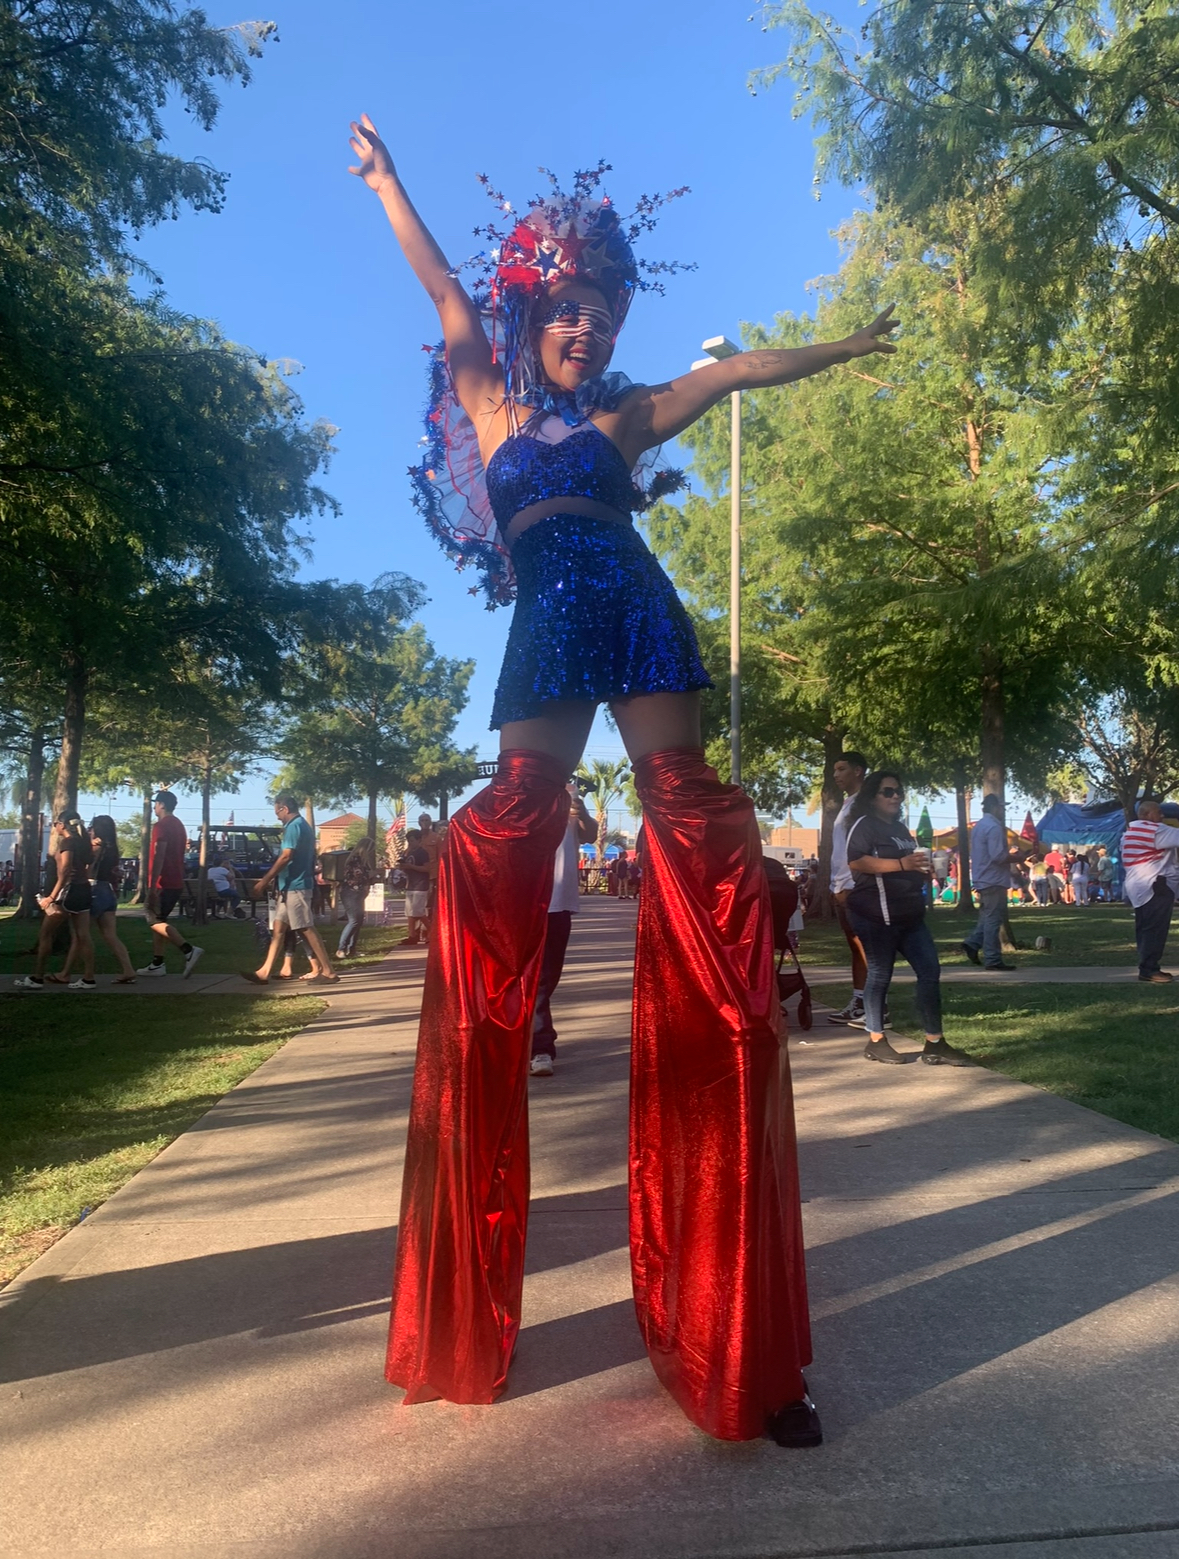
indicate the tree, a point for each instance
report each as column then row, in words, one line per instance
column 158, row 504
column 1053, row 122
column 1128, row 743
column 604, row 780
column 375, row 705
column 83, row 83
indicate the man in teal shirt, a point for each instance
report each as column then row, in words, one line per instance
column 294, row 872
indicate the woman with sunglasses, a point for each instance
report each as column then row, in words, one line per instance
column 886, row 908
column 532, row 474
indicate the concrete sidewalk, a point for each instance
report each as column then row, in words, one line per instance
column 196, row 1369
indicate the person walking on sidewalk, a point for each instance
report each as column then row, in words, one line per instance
column 848, row 773
column 563, row 905
column 886, row 907
column 165, row 884
column 294, row 870
column 360, row 872
column 69, row 896
column 990, row 871
column 1150, row 861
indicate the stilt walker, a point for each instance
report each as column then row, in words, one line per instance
column 537, row 459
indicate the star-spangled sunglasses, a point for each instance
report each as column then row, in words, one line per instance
column 568, row 317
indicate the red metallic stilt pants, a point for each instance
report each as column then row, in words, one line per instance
column 464, row 1200
column 715, row 1228
column 715, row 1221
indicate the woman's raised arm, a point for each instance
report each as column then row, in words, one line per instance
column 659, row 411
column 477, row 382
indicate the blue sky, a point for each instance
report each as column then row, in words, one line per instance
column 301, row 264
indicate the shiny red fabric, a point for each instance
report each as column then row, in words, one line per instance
column 464, row 1206
column 716, row 1227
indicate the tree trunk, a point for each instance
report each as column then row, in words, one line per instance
column 965, row 901
column 202, row 906
column 372, row 816
column 140, row 896
column 65, row 794
column 31, row 825
column 822, row 902
column 992, row 727
column 444, row 806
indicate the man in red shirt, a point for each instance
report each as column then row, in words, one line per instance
column 165, row 884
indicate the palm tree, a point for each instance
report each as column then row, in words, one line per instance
column 605, row 778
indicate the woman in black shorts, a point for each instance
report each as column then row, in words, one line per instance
column 70, row 896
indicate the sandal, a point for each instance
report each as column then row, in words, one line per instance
column 125, row 979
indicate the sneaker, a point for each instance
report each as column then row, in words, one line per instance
column 971, row 952
column 881, row 1050
column 191, row 959
column 153, row 969
column 943, row 1054
column 29, row 983
column 541, row 1066
column 82, row 985
column 853, row 1010
column 859, row 1021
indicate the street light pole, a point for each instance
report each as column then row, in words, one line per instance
column 718, row 348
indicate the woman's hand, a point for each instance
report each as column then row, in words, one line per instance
column 917, row 862
column 875, row 337
column 376, row 165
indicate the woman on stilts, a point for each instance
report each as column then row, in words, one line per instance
column 535, row 452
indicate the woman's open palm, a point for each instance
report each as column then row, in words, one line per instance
column 376, row 165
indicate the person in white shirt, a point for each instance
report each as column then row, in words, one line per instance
column 563, row 905
column 1150, row 861
column 848, row 773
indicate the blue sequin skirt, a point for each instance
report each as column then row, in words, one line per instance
column 596, row 618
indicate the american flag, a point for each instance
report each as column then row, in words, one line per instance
column 395, row 840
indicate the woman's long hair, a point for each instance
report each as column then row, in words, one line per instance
column 869, row 790
column 103, row 827
column 80, row 848
column 362, row 854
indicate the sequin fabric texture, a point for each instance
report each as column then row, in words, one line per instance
column 596, row 617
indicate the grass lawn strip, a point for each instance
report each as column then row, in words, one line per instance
column 1116, row 1051
column 93, row 1094
column 1096, row 935
column 231, row 946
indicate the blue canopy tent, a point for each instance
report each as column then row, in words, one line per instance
column 1102, row 823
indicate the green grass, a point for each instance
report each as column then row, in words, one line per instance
column 1112, row 1049
column 91, row 1100
column 230, row 945
column 1097, row 935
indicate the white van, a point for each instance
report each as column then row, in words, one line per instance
column 791, row 856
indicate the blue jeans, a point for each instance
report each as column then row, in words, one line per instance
column 913, row 940
column 992, row 906
column 353, row 901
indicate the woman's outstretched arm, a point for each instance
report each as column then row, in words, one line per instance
column 658, row 412
column 477, row 382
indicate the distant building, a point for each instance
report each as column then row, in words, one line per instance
column 331, row 833
column 792, row 833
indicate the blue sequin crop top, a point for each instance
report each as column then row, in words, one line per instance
column 584, row 464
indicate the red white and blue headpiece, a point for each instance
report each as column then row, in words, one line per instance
column 561, row 238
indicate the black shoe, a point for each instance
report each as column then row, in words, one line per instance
column 796, row 1426
column 881, row 1050
column 971, row 952
column 942, row 1054
column 1007, row 968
